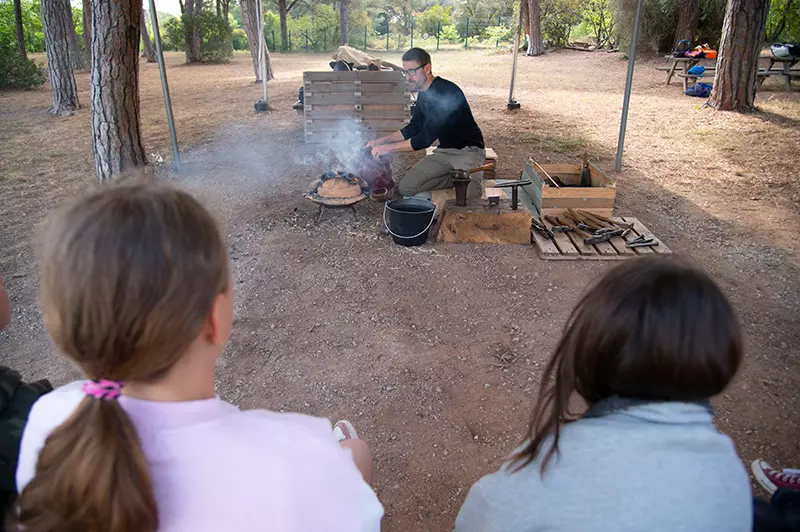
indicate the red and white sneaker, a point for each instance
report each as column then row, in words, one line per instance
column 344, row 430
column 771, row 479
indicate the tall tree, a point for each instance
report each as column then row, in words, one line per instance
column 76, row 55
column 526, row 20
column 284, row 9
column 189, row 9
column 87, row 27
column 223, row 7
column 737, row 64
column 250, row 22
column 20, row 29
column 535, row 44
column 116, row 132
column 57, row 21
column 344, row 20
column 147, row 47
column 688, row 17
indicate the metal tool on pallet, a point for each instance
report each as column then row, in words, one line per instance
column 540, row 227
column 642, row 242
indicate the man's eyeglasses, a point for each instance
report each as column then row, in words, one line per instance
column 413, row 71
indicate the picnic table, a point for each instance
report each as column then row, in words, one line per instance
column 686, row 63
column 786, row 70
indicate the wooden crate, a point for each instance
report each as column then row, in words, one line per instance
column 547, row 199
column 354, row 106
column 570, row 246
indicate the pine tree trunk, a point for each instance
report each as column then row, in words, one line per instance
column 282, row 14
column 526, row 20
column 344, row 20
column 147, row 47
column 116, row 133
column 19, row 29
column 688, row 17
column 76, row 55
column 535, row 45
column 737, row 64
column 250, row 21
column 192, row 35
column 87, row 28
column 57, row 20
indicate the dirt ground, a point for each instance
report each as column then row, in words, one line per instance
column 435, row 353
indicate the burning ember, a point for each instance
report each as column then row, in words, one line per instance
column 338, row 188
column 343, row 188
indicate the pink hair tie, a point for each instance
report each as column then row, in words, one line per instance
column 103, row 389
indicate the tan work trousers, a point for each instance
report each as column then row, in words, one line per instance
column 433, row 172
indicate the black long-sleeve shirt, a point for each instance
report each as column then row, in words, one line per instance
column 442, row 112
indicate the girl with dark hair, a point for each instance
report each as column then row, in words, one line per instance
column 137, row 292
column 643, row 352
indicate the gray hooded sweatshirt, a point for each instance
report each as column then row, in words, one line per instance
column 626, row 466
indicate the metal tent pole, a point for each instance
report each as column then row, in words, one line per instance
column 176, row 155
column 512, row 103
column 262, row 53
column 628, row 83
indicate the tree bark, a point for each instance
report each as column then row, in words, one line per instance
column 76, row 55
column 19, row 29
column 737, row 64
column 87, row 28
column 250, row 21
column 283, row 12
column 116, row 132
column 344, row 20
column 148, row 52
column 688, row 17
column 526, row 20
column 57, row 21
column 192, row 35
column 535, row 43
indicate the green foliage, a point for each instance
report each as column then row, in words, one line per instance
column 19, row 73
column 77, row 21
column 173, row 37
column 502, row 33
column 216, row 45
column 31, row 20
column 783, row 22
column 600, row 20
column 432, row 17
column 450, row 34
column 240, row 40
column 559, row 17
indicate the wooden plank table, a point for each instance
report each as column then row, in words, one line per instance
column 686, row 63
column 786, row 70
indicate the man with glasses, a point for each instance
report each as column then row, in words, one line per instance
column 442, row 112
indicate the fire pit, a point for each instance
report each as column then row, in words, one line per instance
column 338, row 189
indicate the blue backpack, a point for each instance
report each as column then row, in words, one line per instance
column 697, row 70
column 701, row 90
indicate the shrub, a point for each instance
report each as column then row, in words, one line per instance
column 173, row 37
column 216, row 39
column 558, row 19
column 450, row 34
column 240, row 40
column 19, row 73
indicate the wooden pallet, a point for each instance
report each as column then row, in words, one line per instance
column 350, row 107
column 570, row 246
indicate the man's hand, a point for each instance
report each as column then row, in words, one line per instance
column 377, row 142
column 380, row 150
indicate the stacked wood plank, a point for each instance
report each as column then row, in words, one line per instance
column 354, row 106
